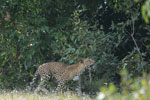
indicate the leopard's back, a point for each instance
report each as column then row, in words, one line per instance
column 54, row 68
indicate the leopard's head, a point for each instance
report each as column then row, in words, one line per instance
column 88, row 62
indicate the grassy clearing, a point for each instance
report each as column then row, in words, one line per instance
column 31, row 96
column 131, row 89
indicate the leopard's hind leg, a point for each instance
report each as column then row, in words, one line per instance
column 41, row 86
column 30, row 86
column 60, row 86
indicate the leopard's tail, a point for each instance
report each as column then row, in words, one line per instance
column 29, row 87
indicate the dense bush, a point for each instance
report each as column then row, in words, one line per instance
column 113, row 33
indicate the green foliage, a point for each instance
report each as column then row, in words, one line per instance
column 132, row 89
column 75, row 44
column 146, row 11
column 113, row 33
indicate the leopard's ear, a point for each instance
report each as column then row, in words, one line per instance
column 81, row 61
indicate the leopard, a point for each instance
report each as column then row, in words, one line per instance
column 62, row 73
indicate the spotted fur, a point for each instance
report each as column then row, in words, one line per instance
column 62, row 72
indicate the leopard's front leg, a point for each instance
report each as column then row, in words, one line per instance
column 41, row 86
column 60, row 86
column 78, row 89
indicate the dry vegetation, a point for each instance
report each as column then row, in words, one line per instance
column 15, row 95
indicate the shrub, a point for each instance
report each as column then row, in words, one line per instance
column 131, row 89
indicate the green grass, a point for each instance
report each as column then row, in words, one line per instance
column 131, row 89
column 31, row 96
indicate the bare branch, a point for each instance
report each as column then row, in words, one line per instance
column 136, row 45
